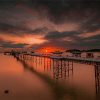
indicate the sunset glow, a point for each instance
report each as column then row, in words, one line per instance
column 46, row 51
column 60, row 25
column 34, row 40
column 49, row 49
column 24, row 39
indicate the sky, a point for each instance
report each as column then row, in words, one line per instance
column 36, row 24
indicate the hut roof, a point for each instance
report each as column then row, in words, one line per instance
column 57, row 52
column 73, row 50
column 93, row 50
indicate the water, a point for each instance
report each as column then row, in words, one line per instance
column 44, row 79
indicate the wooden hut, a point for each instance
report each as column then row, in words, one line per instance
column 89, row 55
column 76, row 54
column 57, row 53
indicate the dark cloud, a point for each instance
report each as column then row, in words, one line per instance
column 60, row 10
column 5, row 44
column 92, row 24
column 9, row 45
column 57, row 39
column 10, row 29
column 60, row 35
column 20, row 30
column 85, row 43
column 40, row 30
column 18, row 16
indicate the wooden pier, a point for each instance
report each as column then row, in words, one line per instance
column 90, row 61
column 62, row 66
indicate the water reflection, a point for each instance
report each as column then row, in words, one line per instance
column 22, row 84
column 55, row 68
column 60, row 91
column 60, row 79
column 58, row 69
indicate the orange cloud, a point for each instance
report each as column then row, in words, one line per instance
column 89, row 34
column 27, row 39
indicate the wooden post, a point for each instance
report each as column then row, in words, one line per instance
column 97, row 79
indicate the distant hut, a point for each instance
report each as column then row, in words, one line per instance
column 96, row 54
column 83, row 54
column 74, row 52
column 89, row 55
column 93, row 53
column 57, row 53
column 65, row 54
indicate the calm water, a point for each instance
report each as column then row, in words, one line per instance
column 44, row 79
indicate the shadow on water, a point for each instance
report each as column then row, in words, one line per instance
column 60, row 91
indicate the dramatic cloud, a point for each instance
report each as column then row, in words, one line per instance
column 29, row 39
column 55, row 23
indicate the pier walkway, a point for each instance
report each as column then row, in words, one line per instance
column 91, row 61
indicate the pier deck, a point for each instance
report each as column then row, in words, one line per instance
column 76, row 59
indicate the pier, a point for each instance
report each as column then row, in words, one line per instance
column 62, row 66
column 91, row 61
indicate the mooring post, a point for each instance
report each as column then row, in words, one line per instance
column 72, row 67
column 44, row 63
column 68, row 66
column 97, row 79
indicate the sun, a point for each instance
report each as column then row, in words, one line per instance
column 46, row 50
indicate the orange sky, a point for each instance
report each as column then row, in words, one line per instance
column 49, row 49
column 26, row 39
